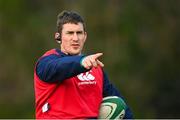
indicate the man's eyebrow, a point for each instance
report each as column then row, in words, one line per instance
column 79, row 31
column 69, row 31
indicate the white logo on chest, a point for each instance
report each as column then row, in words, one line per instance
column 85, row 76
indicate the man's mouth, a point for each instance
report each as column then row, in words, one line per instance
column 75, row 45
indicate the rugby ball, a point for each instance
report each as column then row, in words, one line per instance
column 112, row 107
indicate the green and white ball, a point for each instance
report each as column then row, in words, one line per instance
column 112, row 107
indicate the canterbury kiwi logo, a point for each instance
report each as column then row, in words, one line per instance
column 85, row 76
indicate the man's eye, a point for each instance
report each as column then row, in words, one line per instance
column 80, row 32
column 70, row 33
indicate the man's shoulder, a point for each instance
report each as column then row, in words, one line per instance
column 50, row 52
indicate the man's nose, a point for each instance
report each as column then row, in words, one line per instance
column 75, row 36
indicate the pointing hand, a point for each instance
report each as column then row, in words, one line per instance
column 92, row 61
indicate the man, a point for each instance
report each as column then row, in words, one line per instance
column 67, row 83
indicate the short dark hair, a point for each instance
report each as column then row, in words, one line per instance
column 68, row 17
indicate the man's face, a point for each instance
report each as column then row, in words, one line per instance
column 73, row 38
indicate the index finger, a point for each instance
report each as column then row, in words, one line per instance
column 97, row 55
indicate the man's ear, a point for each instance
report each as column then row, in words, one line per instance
column 85, row 36
column 57, row 37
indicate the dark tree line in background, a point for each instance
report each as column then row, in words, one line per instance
column 140, row 40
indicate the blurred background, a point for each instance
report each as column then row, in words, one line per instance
column 140, row 40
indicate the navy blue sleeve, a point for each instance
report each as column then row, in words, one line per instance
column 53, row 68
column 110, row 90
